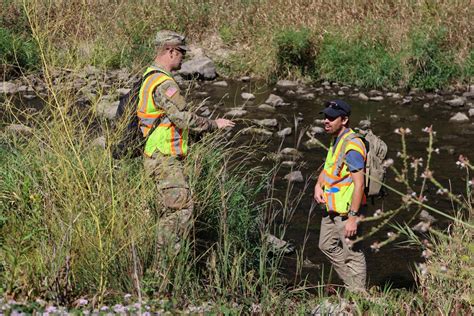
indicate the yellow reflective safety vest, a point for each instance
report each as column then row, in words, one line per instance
column 337, row 181
column 166, row 137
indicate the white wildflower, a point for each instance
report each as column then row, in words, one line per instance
column 375, row 246
column 378, row 213
column 423, row 268
column 50, row 309
column 82, row 302
column 443, row 269
column 426, row 253
column 387, row 163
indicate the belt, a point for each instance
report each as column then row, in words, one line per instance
column 333, row 215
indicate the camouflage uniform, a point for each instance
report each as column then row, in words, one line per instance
column 168, row 171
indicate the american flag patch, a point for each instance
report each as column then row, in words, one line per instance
column 171, row 91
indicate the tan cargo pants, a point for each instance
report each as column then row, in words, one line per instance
column 348, row 262
column 174, row 195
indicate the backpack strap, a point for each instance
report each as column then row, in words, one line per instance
column 345, row 142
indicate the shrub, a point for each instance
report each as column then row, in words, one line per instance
column 468, row 67
column 431, row 64
column 363, row 62
column 17, row 52
column 294, row 48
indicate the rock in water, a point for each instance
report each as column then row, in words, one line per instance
column 286, row 84
column 457, row 102
column 220, row 84
column 295, row 176
column 267, row 122
column 459, row 118
column 284, row 132
column 274, row 100
column 363, row 97
column 266, row 107
column 237, row 112
column 247, row 96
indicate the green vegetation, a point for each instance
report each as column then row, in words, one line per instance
column 418, row 44
column 294, row 48
column 359, row 62
column 431, row 60
column 17, row 52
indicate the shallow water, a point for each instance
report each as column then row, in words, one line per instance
column 393, row 263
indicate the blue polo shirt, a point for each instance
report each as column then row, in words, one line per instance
column 355, row 161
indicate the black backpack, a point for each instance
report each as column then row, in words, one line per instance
column 128, row 140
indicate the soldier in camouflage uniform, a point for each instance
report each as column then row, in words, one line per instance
column 165, row 119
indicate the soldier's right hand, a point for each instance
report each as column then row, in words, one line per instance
column 223, row 123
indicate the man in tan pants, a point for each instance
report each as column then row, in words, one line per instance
column 340, row 187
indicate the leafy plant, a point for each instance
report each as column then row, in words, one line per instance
column 431, row 63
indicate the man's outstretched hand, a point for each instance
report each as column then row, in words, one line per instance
column 223, row 123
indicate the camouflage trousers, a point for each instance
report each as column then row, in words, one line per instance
column 173, row 193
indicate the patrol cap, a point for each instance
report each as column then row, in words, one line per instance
column 336, row 108
column 170, row 38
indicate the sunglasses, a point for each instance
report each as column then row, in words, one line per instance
column 330, row 118
column 182, row 51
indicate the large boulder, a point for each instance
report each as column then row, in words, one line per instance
column 200, row 67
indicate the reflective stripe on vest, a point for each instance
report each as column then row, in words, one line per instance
column 166, row 137
column 338, row 185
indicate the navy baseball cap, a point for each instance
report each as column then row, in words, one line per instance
column 336, row 108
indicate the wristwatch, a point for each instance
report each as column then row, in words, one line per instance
column 353, row 213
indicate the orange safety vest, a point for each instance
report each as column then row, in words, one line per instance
column 166, row 137
column 337, row 181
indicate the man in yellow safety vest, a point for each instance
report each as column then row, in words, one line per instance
column 340, row 187
column 165, row 120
